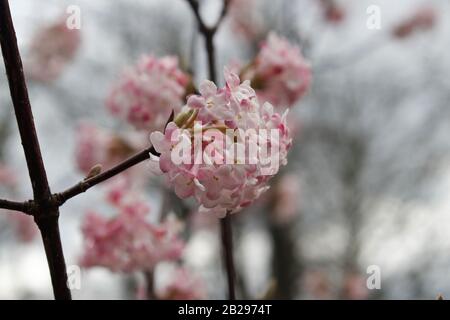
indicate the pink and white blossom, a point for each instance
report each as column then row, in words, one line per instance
column 246, row 19
column 148, row 91
column 224, row 180
column 24, row 226
column 128, row 242
column 7, row 176
column 279, row 73
column 183, row 285
column 332, row 11
column 51, row 50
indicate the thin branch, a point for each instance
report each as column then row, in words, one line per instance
column 45, row 215
column 24, row 207
column 204, row 29
column 209, row 33
column 225, row 223
column 85, row 185
column 227, row 247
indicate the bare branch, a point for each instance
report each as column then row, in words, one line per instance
column 46, row 215
column 85, row 185
column 204, row 29
column 24, row 207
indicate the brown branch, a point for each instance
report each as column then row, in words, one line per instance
column 209, row 33
column 225, row 223
column 45, row 214
column 227, row 247
column 25, row 207
column 83, row 186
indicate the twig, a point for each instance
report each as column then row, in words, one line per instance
column 24, row 207
column 45, row 214
column 225, row 223
column 83, row 186
column 227, row 246
column 209, row 33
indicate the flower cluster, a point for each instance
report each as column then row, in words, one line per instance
column 332, row 12
column 423, row 19
column 224, row 172
column 279, row 73
column 7, row 176
column 148, row 92
column 128, row 242
column 245, row 19
column 51, row 50
column 24, row 227
column 183, row 285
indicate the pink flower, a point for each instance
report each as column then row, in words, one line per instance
column 355, row 286
column 184, row 285
column 423, row 19
column 128, row 242
column 245, row 18
column 279, row 73
column 24, row 226
column 96, row 146
column 332, row 12
column 233, row 147
column 148, row 92
column 52, row 48
column 7, row 176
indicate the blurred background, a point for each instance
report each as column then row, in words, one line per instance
column 367, row 182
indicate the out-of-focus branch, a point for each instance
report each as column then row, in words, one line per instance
column 209, row 33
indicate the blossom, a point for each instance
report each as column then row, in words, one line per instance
column 24, row 226
column 7, row 176
column 245, row 19
column 128, row 242
column 147, row 92
column 183, row 285
column 96, row 146
column 355, row 287
column 51, row 49
column 332, row 12
column 279, row 72
column 422, row 19
column 234, row 146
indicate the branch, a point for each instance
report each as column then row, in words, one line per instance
column 45, row 215
column 227, row 247
column 85, row 185
column 225, row 223
column 24, row 207
column 21, row 102
column 209, row 33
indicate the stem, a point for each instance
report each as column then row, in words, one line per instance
column 15, row 206
column 150, row 285
column 53, row 249
column 227, row 247
column 225, row 223
column 45, row 214
column 83, row 186
column 210, row 48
